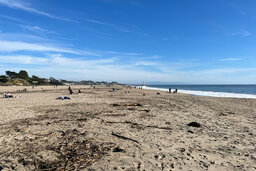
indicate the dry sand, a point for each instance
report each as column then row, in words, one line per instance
column 88, row 132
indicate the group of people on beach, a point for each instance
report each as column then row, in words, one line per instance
column 175, row 91
column 71, row 91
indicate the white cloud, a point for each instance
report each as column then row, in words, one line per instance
column 36, row 29
column 22, row 6
column 58, row 59
column 110, row 70
column 242, row 33
column 22, row 59
column 230, row 59
column 7, row 46
column 145, row 63
column 54, row 59
column 116, row 27
column 13, row 18
column 123, row 53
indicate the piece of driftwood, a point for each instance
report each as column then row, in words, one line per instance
column 125, row 138
column 140, row 125
column 131, row 104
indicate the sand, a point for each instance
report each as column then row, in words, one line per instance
column 125, row 130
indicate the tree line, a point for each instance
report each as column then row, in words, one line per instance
column 22, row 74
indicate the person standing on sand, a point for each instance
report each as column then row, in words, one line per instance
column 70, row 90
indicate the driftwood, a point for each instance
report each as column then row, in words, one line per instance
column 131, row 104
column 140, row 125
column 125, row 138
column 143, row 110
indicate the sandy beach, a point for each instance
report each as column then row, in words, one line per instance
column 128, row 129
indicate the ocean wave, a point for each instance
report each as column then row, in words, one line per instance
column 206, row 93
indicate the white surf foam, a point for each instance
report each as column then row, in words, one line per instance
column 206, row 93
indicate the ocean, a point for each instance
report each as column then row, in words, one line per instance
column 235, row 91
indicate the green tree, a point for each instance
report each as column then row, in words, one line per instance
column 54, row 81
column 12, row 74
column 24, row 75
column 3, row 78
column 38, row 79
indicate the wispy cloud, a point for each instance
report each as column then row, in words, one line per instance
column 123, row 53
column 218, row 71
column 25, row 7
column 116, row 27
column 37, row 29
column 145, row 63
column 242, row 33
column 7, row 46
column 135, row 3
column 22, row 59
column 53, row 59
column 12, row 18
column 231, row 59
column 110, row 69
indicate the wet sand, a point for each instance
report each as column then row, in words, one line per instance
column 125, row 130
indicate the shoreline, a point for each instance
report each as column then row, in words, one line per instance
column 126, row 129
column 206, row 93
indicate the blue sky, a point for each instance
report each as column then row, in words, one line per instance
column 130, row 41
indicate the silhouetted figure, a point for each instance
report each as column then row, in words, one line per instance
column 70, row 90
column 170, row 90
column 176, row 91
column 79, row 91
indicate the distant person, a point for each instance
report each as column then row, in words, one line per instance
column 70, row 90
column 79, row 91
column 176, row 91
column 170, row 90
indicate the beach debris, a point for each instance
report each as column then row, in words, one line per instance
column 118, row 149
column 145, row 110
column 144, row 94
column 137, row 125
column 131, row 104
column 81, row 119
column 123, row 137
column 158, row 93
column 72, row 151
column 222, row 114
column 194, row 124
column 63, row 98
